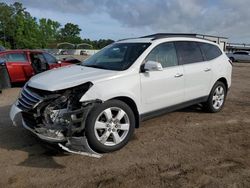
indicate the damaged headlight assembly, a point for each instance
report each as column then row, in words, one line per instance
column 65, row 113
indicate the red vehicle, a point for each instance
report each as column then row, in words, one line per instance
column 23, row 64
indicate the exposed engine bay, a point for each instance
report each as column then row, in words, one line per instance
column 57, row 116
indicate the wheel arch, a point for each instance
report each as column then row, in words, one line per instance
column 232, row 58
column 130, row 102
column 224, row 81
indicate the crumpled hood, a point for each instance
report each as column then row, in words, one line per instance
column 69, row 76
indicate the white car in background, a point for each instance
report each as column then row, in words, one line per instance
column 239, row 56
column 106, row 97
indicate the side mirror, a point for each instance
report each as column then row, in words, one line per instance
column 152, row 66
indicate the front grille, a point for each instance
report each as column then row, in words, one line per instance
column 28, row 99
column 29, row 119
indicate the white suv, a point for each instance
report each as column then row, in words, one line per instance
column 106, row 97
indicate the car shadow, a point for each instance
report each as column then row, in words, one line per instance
column 21, row 84
column 197, row 108
column 40, row 155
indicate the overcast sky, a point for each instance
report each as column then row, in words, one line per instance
column 118, row 19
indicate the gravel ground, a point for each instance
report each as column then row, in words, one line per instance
column 187, row 148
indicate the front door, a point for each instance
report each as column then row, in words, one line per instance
column 160, row 89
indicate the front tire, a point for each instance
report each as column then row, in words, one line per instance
column 109, row 126
column 216, row 98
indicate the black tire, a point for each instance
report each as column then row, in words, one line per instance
column 208, row 105
column 94, row 143
column 232, row 59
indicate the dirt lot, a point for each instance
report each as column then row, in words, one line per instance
column 187, row 148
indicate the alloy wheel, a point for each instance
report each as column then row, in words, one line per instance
column 111, row 126
column 218, row 97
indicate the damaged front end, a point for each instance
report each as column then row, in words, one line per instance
column 57, row 117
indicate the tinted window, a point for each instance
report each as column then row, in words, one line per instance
column 210, row 51
column 118, row 56
column 188, row 52
column 164, row 54
column 49, row 58
column 16, row 57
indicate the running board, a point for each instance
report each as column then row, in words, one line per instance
column 80, row 146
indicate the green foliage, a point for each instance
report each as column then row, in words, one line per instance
column 70, row 33
column 98, row 44
column 18, row 29
column 49, row 31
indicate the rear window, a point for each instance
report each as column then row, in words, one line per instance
column 188, row 52
column 16, row 57
column 210, row 51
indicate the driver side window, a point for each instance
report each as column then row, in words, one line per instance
column 165, row 54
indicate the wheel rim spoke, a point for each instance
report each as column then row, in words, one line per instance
column 217, row 91
column 222, row 97
column 116, row 137
column 108, row 113
column 221, row 91
column 124, row 126
column 100, row 125
column 104, row 137
column 214, row 98
column 120, row 115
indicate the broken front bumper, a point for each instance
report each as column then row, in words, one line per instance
column 16, row 118
column 76, row 145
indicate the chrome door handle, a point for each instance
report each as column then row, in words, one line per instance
column 178, row 75
column 207, row 69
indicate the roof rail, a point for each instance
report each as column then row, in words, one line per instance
column 127, row 39
column 166, row 35
column 190, row 35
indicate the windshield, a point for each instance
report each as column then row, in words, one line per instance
column 118, row 56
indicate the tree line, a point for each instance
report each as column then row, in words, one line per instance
column 20, row 30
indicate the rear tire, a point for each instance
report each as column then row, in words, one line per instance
column 109, row 126
column 232, row 59
column 216, row 98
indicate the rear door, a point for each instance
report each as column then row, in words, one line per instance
column 197, row 71
column 160, row 89
column 18, row 66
